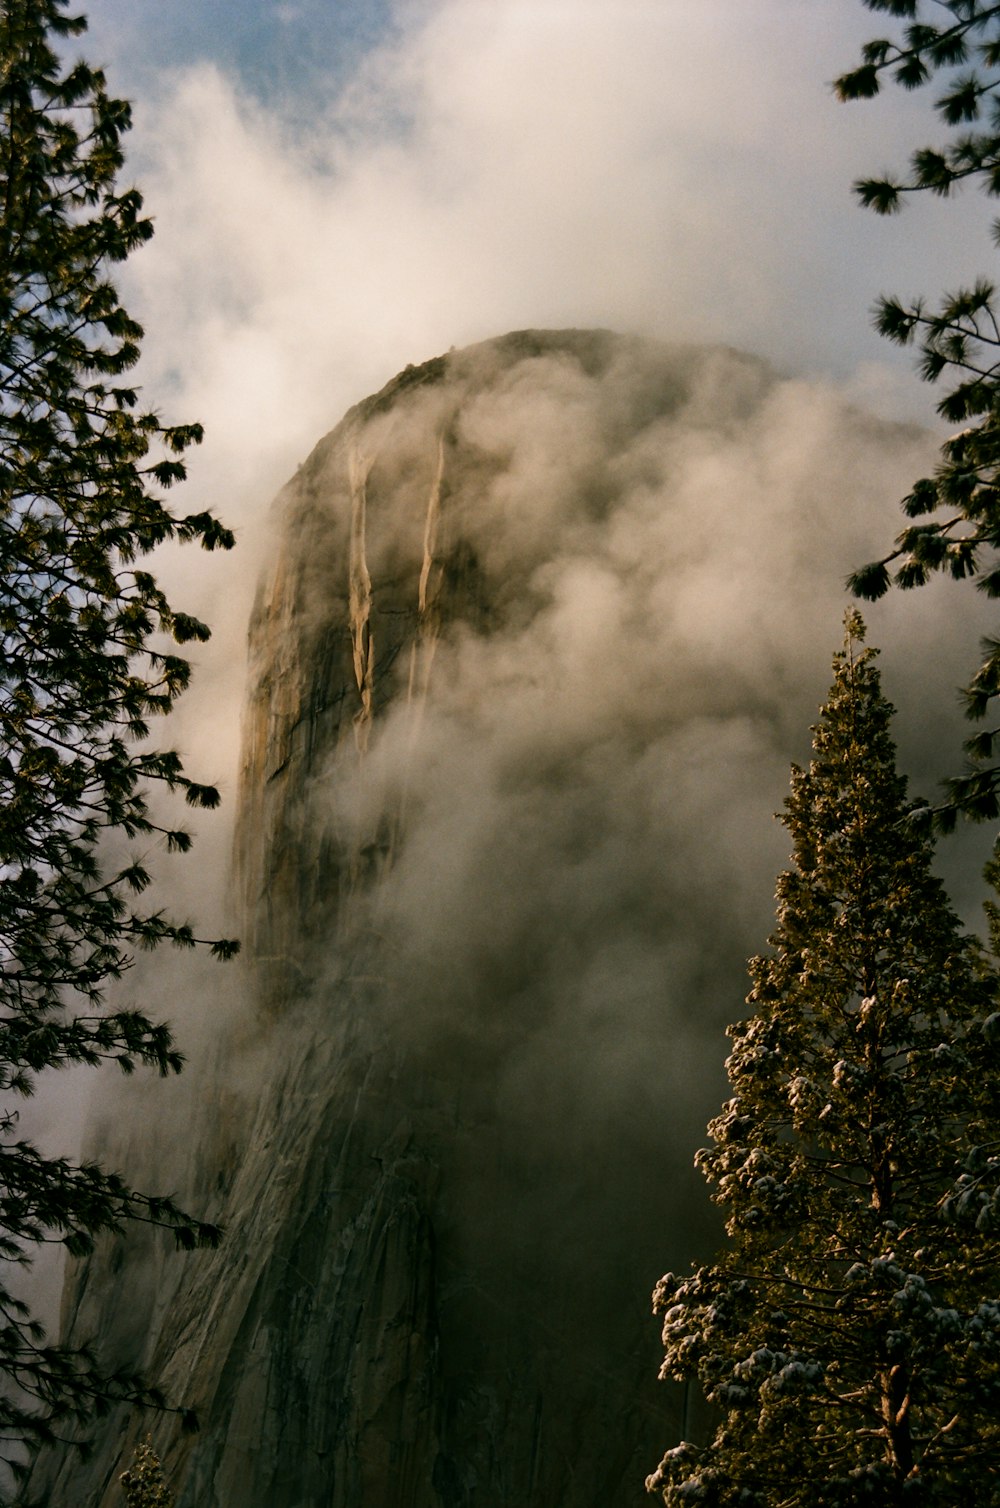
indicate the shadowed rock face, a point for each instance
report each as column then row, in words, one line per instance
column 503, row 845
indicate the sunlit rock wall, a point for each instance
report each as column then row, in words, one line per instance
column 545, row 622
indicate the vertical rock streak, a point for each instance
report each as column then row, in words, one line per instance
column 362, row 638
column 429, row 586
column 425, row 637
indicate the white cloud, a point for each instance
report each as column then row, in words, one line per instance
column 669, row 168
column 680, row 171
column 672, row 169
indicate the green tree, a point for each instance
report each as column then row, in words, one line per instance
column 848, row 1336
column 85, row 664
column 955, row 512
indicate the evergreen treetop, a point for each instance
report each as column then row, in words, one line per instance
column 849, row 1335
column 143, row 1483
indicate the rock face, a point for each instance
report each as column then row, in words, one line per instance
column 522, row 694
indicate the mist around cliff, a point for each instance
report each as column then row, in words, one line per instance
column 589, row 850
column 570, row 837
column 588, row 838
column 488, row 167
column 585, row 845
column 485, row 167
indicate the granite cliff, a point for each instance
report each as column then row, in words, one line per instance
column 522, row 693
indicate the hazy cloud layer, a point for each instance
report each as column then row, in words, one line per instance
column 673, row 170
column 587, row 849
column 656, row 167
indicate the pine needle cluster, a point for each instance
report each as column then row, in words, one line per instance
column 955, row 512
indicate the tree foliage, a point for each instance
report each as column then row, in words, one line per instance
column 143, row 1484
column 848, row 1336
column 956, row 512
column 86, row 663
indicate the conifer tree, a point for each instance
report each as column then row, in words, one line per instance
column 85, row 664
column 143, row 1483
column 848, row 1336
column 953, row 46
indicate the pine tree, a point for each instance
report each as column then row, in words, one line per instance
column 85, row 665
column 848, row 1336
column 144, row 1484
column 956, row 511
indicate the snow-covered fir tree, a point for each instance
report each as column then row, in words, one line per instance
column 848, row 1337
